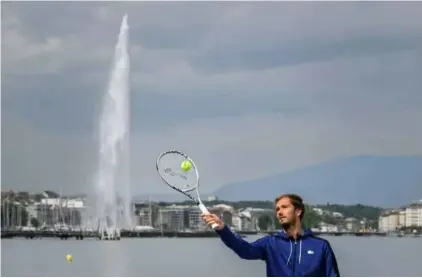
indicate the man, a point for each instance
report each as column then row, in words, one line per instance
column 292, row 251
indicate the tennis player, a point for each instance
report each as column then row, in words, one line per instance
column 291, row 252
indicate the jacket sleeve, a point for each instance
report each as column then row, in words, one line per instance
column 331, row 267
column 245, row 250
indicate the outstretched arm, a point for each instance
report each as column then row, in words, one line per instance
column 244, row 249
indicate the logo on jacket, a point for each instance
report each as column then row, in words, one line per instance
column 310, row 252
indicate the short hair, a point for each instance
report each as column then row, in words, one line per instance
column 296, row 201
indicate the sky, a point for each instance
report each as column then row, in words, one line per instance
column 246, row 89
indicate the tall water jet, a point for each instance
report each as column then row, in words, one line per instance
column 113, row 177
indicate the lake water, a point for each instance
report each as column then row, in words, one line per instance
column 357, row 256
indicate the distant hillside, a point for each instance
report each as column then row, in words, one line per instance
column 371, row 180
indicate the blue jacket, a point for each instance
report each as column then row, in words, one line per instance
column 307, row 256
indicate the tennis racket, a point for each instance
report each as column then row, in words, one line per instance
column 185, row 182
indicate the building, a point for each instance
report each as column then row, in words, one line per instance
column 413, row 215
column 236, row 223
column 405, row 217
column 172, row 218
column 389, row 221
column 225, row 212
column 337, row 214
column 382, row 223
column 54, row 211
column 246, row 221
column 195, row 222
column 402, row 218
column 13, row 214
column 318, row 211
column 144, row 217
column 324, row 227
column 352, row 224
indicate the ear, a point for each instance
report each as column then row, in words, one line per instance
column 299, row 212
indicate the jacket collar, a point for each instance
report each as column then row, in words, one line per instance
column 285, row 236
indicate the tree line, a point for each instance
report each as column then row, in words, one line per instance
column 311, row 218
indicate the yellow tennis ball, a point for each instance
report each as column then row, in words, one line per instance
column 69, row 258
column 186, row 165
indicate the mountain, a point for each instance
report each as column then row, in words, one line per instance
column 384, row 181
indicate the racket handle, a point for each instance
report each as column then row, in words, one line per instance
column 204, row 210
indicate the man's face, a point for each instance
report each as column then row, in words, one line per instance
column 286, row 213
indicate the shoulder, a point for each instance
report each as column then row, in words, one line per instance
column 319, row 242
column 320, row 239
column 264, row 239
column 268, row 239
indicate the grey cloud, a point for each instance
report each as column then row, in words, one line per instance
column 59, row 102
column 277, row 142
column 230, row 35
column 263, row 37
column 286, row 84
column 257, row 146
column 35, row 160
column 159, row 25
column 302, row 51
column 47, row 104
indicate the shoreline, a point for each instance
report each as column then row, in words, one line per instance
column 80, row 235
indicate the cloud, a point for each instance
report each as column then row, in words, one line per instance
column 248, row 89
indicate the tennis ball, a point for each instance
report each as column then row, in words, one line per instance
column 186, row 165
column 69, row 258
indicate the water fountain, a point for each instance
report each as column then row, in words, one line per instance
column 113, row 192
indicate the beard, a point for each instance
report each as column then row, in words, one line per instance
column 287, row 225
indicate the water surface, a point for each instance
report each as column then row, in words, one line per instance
column 371, row 256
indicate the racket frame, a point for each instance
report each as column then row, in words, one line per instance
column 197, row 200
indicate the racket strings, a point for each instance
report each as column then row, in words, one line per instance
column 169, row 167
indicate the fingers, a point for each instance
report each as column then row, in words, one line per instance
column 205, row 216
column 209, row 218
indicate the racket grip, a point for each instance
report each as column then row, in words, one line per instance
column 204, row 210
